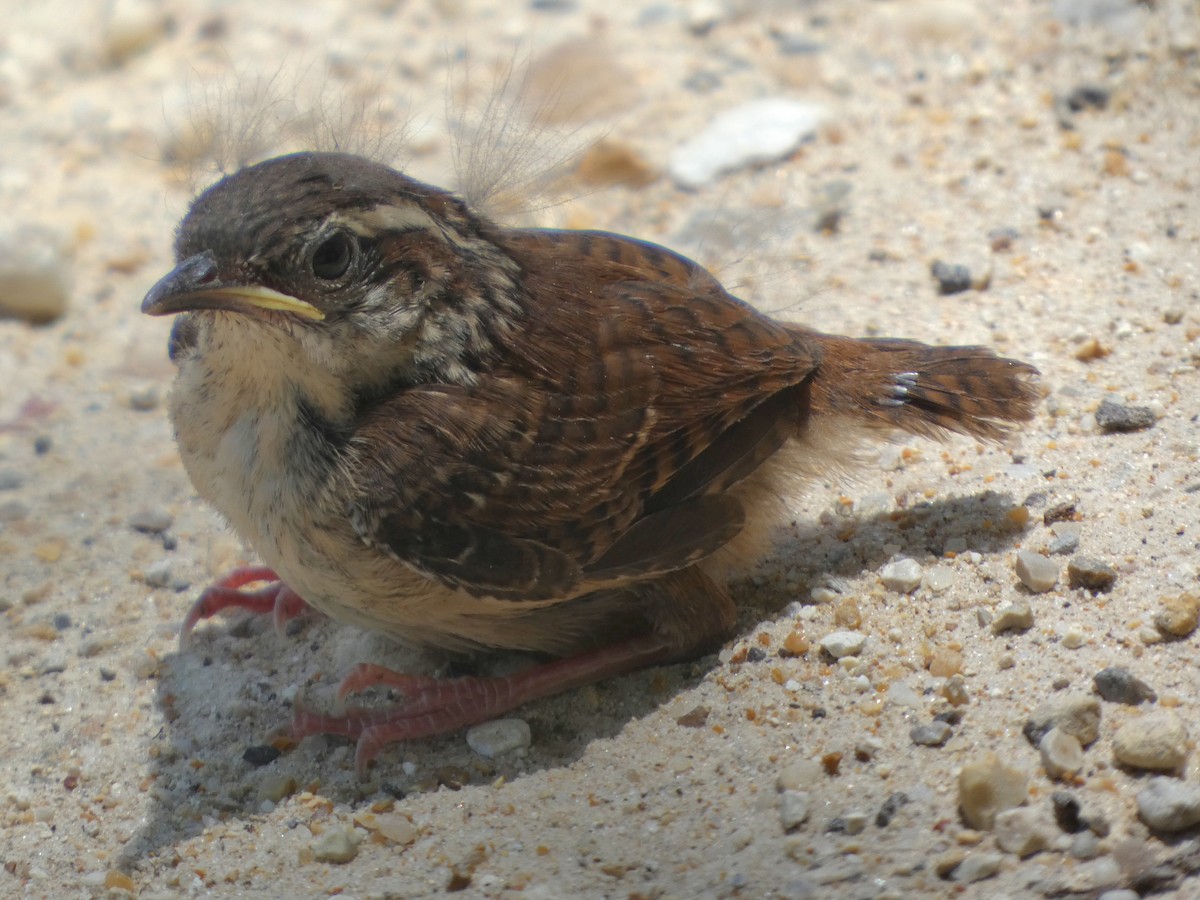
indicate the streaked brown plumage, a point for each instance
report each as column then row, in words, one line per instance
column 477, row 437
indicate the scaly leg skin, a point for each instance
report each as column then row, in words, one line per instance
column 687, row 611
column 276, row 598
column 438, row 705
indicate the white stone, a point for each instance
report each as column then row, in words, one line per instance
column 794, row 807
column 843, row 643
column 493, row 738
column 903, row 575
column 756, row 132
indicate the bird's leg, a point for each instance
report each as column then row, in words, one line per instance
column 433, row 706
column 689, row 613
column 276, row 598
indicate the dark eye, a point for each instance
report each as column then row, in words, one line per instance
column 333, row 256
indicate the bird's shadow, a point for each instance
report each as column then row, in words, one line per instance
column 237, row 683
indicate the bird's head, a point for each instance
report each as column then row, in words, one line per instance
column 347, row 258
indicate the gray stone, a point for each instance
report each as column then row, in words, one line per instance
column 794, row 807
column 1091, row 574
column 934, row 734
column 1036, row 572
column 977, row 867
column 491, row 739
column 1118, row 685
column 1114, row 417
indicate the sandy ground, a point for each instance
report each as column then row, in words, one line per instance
column 122, row 770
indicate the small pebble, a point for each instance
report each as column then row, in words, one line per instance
column 1036, row 572
column 794, row 807
column 151, row 521
column 1067, row 812
column 756, row 132
column 336, row 845
column 274, row 788
column 491, row 739
column 10, row 480
column 1114, row 417
column 902, row 576
column 260, row 754
column 1076, row 715
column 933, row 734
column 1178, row 616
column 987, row 787
column 144, row 399
column 34, row 273
column 1073, row 638
column 1023, row 831
column 157, row 575
column 839, row 644
column 1117, row 685
column 1085, row 845
column 1065, row 540
column 977, row 867
column 1091, row 574
column 951, row 279
column 1168, row 804
column 1062, row 754
column 890, row 807
column 938, row 578
column 1017, row 616
column 1087, row 96
column 1156, row 741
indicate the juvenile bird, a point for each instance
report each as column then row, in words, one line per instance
column 477, row 437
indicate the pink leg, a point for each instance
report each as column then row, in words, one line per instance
column 435, row 706
column 276, row 598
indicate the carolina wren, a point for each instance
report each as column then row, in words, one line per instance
column 471, row 436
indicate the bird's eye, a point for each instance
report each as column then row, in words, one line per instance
column 333, row 256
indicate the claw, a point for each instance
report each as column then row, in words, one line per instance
column 275, row 598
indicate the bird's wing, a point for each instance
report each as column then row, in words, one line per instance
column 606, row 458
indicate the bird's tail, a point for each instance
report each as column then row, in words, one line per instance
column 906, row 385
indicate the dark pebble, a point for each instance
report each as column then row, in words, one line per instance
column 756, row 654
column 950, row 716
column 1059, row 512
column 42, row 444
column 890, row 807
column 1091, row 574
column 951, row 279
column 1113, row 417
column 107, row 674
column 1156, row 880
column 393, row 790
column 1087, row 96
column 260, row 754
column 1002, row 238
column 1117, row 685
column 1066, row 812
column 836, row 826
column 62, row 622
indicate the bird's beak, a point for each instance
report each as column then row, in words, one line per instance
column 195, row 284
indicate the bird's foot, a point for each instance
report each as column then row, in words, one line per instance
column 275, row 598
column 433, row 706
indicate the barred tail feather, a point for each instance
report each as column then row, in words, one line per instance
column 925, row 390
